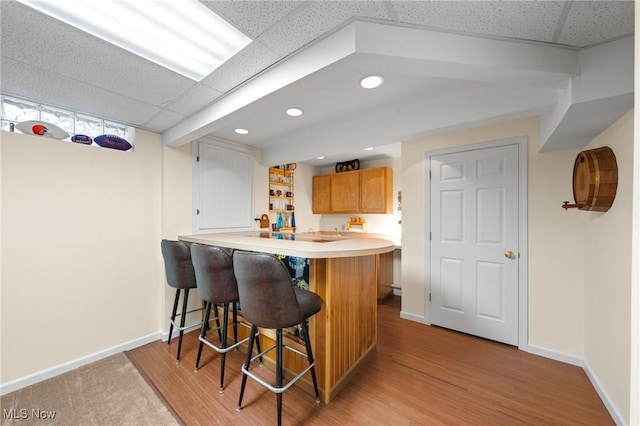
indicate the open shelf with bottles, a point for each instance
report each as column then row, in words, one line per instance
column 281, row 196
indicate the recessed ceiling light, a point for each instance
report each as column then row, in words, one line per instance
column 369, row 148
column 372, row 81
column 241, row 131
column 294, row 112
column 184, row 36
column 319, row 158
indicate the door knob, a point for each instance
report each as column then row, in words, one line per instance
column 509, row 254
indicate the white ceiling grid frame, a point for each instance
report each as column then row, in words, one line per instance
column 42, row 47
column 44, row 43
column 67, row 91
column 254, row 17
column 250, row 61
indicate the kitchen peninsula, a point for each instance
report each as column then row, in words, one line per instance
column 342, row 271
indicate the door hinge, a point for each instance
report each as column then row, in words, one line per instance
column 429, row 297
column 197, row 211
column 197, row 159
column 429, row 174
column 429, row 236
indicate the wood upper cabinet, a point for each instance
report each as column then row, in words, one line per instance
column 321, row 194
column 360, row 191
column 345, row 192
column 376, row 188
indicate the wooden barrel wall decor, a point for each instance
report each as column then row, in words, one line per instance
column 595, row 180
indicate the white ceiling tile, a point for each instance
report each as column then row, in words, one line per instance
column 50, row 62
column 164, row 120
column 253, row 17
column 528, row 20
column 245, row 64
column 194, row 99
column 35, row 84
column 316, row 18
column 33, row 38
column 596, row 21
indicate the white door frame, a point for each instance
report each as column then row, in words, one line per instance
column 523, row 268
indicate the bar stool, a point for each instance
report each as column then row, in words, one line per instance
column 269, row 300
column 181, row 276
column 217, row 285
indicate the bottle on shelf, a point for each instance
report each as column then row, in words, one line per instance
column 293, row 219
column 280, row 221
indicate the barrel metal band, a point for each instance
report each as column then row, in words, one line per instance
column 596, row 190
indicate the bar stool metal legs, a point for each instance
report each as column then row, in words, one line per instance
column 217, row 287
column 180, row 275
column 269, row 300
column 222, row 349
column 278, row 389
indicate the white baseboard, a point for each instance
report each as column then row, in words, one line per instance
column 611, row 408
column 558, row 356
column 580, row 362
column 413, row 317
column 39, row 376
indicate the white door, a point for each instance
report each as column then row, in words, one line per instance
column 474, row 242
column 223, row 188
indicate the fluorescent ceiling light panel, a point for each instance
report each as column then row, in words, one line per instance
column 184, row 36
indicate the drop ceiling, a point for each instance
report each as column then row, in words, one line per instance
column 447, row 65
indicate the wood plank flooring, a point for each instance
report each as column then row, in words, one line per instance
column 419, row 375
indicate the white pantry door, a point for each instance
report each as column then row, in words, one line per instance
column 474, row 242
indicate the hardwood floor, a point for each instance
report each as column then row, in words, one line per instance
column 419, row 375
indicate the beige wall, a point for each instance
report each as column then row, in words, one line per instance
column 579, row 263
column 176, row 216
column 555, row 238
column 81, row 270
column 607, row 265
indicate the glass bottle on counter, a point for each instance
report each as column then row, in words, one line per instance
column 293, row 219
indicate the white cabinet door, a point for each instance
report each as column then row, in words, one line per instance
column 474, row 228
column 223, row 188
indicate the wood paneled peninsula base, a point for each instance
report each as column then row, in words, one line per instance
column 342, row 271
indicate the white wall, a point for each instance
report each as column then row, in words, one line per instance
column 305, row 219
column 607, row 277
column 81, row 271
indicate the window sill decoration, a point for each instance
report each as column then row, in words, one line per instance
column 49, row 122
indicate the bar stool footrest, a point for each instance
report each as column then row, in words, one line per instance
column 268, row 385
column 228, row 348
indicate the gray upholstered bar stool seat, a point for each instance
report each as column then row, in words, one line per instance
column 181, row 276
column 217, row 285
column 269, row 300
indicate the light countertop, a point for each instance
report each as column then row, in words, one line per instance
column 313, row 245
